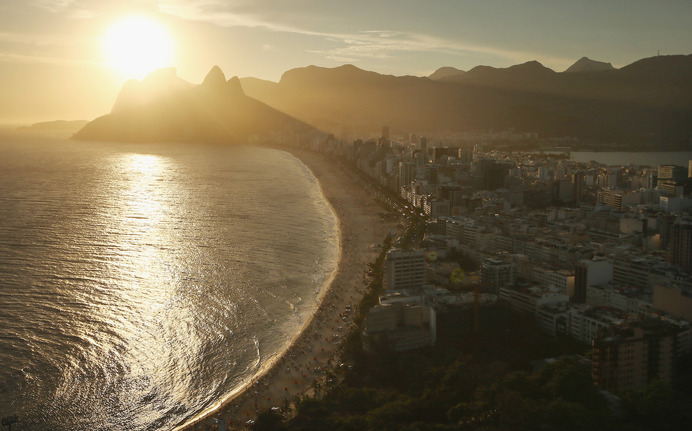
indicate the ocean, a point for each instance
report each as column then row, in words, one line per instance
column 140, row 284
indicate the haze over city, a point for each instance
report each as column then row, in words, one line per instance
column 67, row 59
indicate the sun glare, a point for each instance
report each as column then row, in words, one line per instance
column 136, row 45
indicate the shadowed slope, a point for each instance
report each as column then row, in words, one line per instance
column 647, row 101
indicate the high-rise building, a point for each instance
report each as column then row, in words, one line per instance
column 407, row 173
column 664, row 222
column 494, row 175
column 466, row 155
column 587, row 273
column 630, row 356
column 423, row 145
column 578, row 180
column 439, row 152
column 672, row 172
column 496, row 274
column 671, row 188
column 431, row 171
column 404, row 268
column 681, row 243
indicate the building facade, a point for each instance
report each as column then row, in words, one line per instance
column 628, row 357
column 404, row 269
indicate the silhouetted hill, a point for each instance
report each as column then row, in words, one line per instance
column 445, row 72
column 61, row 129
column 157, row 84
column 258, row 88
column 647, row 101
column 164, row 108
column 56, row 126
column 585, row 64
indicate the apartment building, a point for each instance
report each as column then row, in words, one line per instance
column 404, row 268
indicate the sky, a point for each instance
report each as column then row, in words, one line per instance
column 53, row 64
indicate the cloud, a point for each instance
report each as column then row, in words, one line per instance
column 35, row 39
column 54, row 6
column 8, row 57
column 217, row 12
column 368, row 44
column 40, row 48
column 381, row 44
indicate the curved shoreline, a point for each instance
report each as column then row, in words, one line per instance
column 293, row 371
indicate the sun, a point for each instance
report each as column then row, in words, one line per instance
column 137, row 45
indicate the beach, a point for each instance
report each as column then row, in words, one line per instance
column 300, row 369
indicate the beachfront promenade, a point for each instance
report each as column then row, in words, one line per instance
column 315, row 350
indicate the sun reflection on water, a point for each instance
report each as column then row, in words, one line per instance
column 148, row 262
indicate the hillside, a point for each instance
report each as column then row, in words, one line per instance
column 648, row 101
column 163, row 108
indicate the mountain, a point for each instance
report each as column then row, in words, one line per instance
column 60, row 128
column 445, row 72
column 155, row 85
column 164, row 108
column 585, row 64
column 56, row 126
column 647, row 101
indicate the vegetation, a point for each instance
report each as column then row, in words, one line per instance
column 489, row 380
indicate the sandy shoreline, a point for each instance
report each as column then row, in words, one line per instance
column 361, row 226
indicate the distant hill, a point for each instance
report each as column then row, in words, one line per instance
column 585, row 64
column 56, row 126
column 445, row 72
column 160, row 83
column 647, row 101
column 163, row 108
column 60, row 128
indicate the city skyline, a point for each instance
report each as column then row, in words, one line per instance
column 54, row 66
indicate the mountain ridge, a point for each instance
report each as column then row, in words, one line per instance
column 646, row 101
column 217, row 110
column 585, row 64
column 608, row 105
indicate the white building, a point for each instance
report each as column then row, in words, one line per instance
column 404, row 268
column 399, row 326
column 528, row 299
column 630, row 299
column 584, row 321
column 561, row 279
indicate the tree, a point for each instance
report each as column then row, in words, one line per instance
column 7, row 421
column 657, row 406
column 269, row 420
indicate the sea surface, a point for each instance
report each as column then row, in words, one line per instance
column 142, row 284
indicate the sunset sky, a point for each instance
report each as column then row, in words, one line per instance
column 55, row 63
